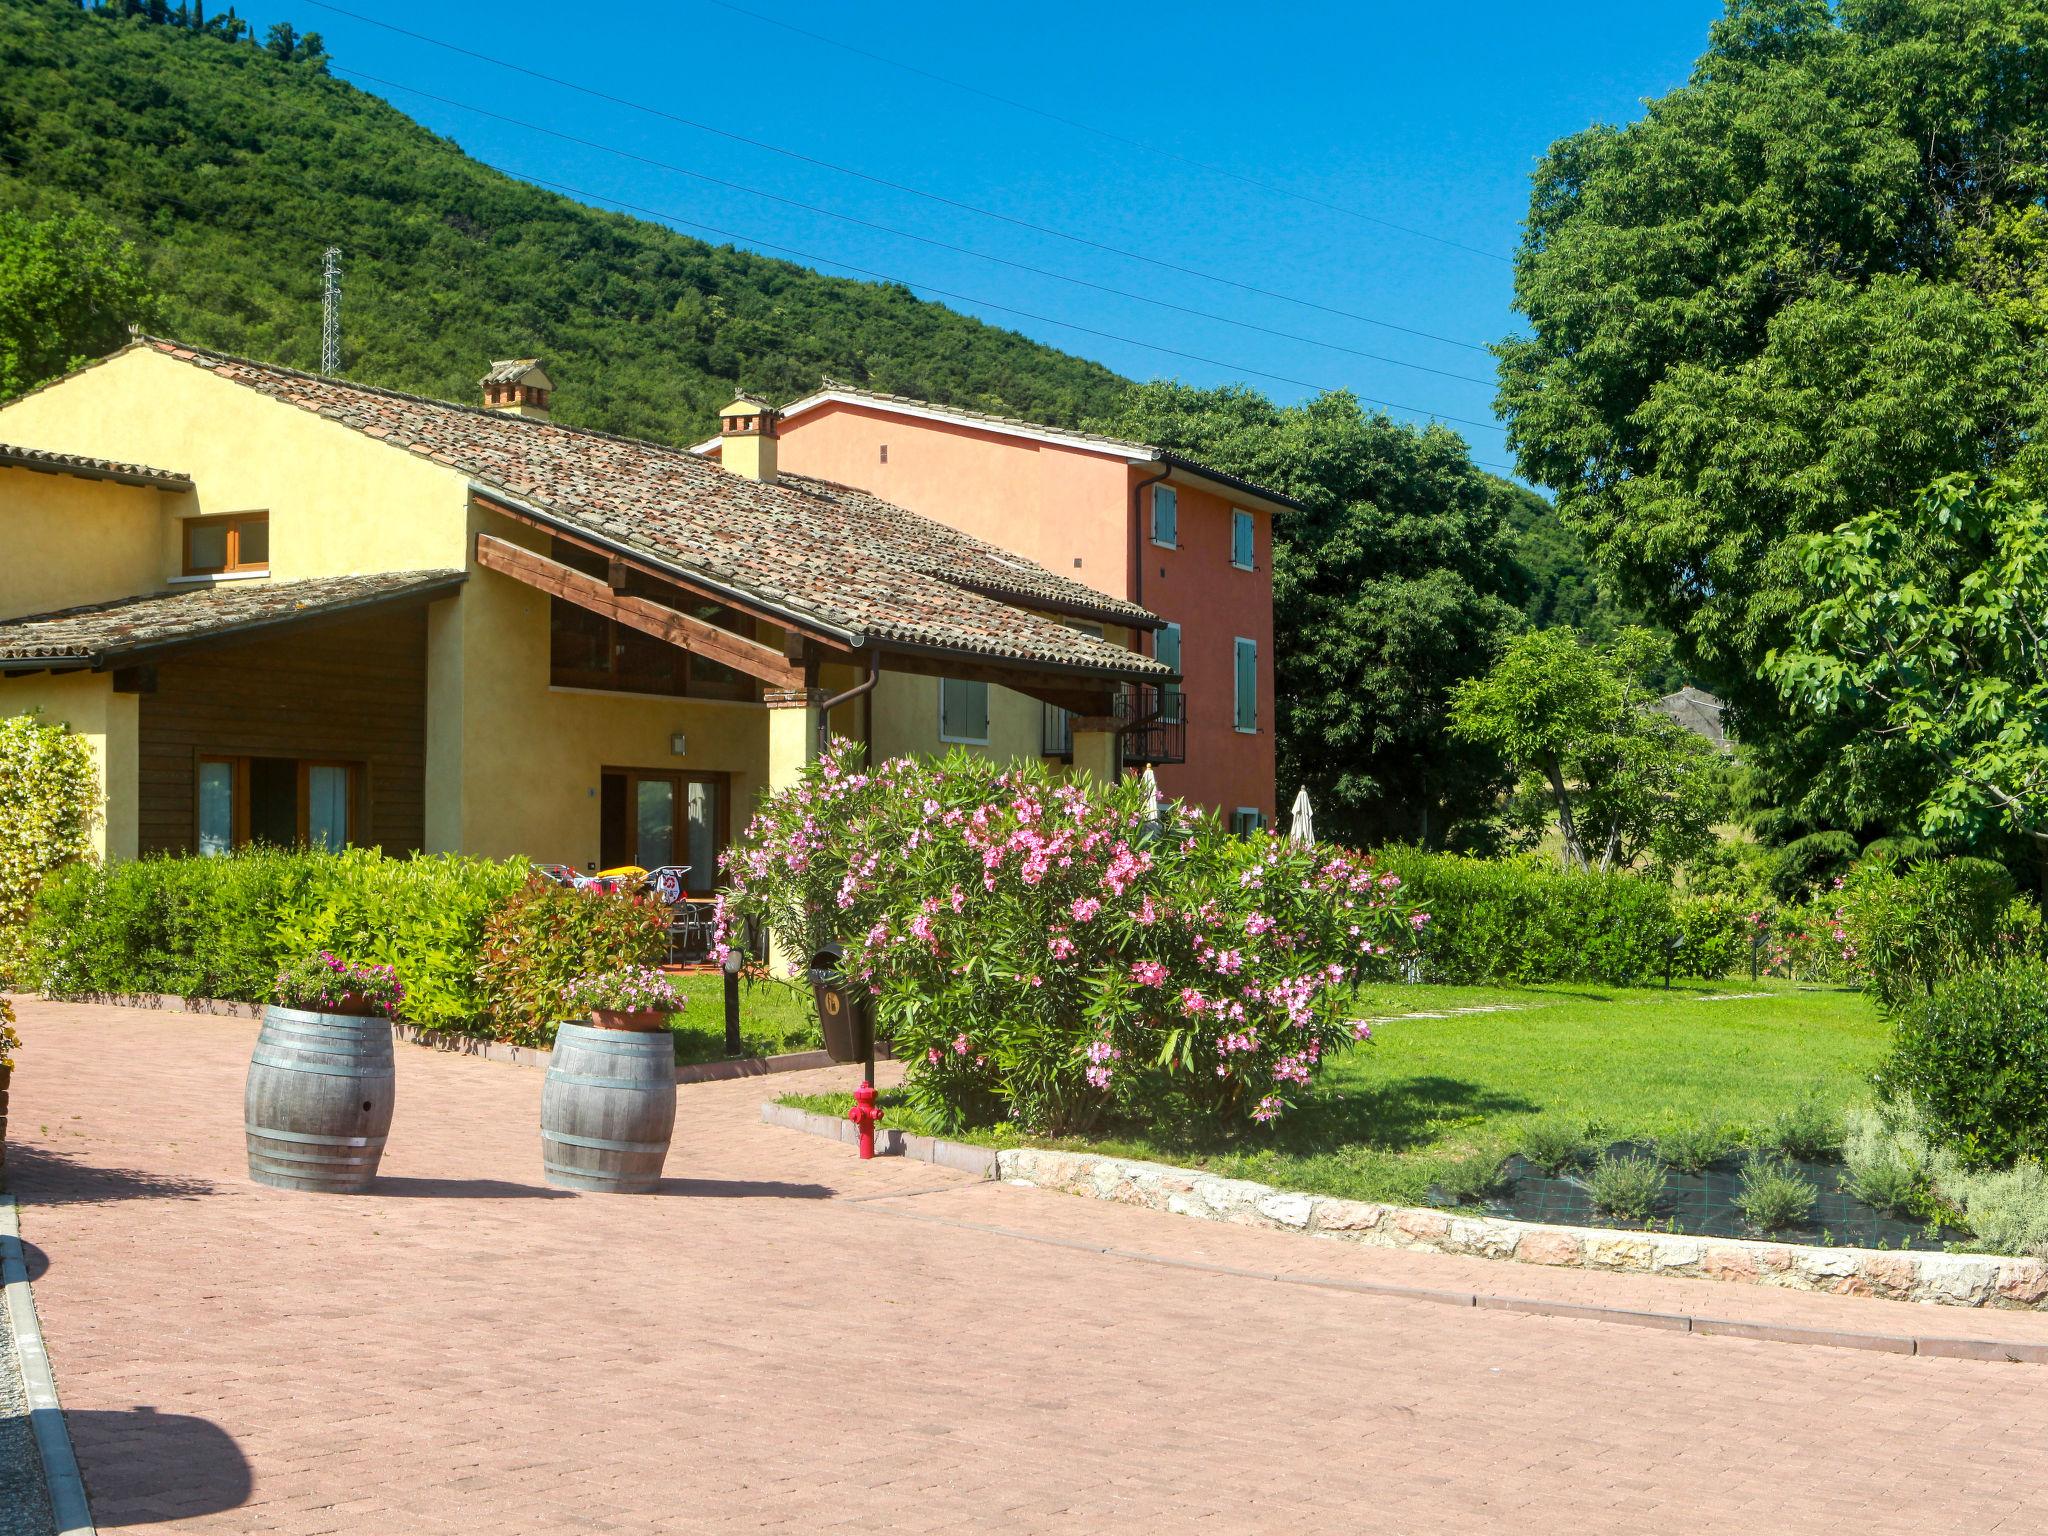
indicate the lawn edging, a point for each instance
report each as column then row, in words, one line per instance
column 459, row 1044
column 1933, row 1279
column 1937, row 1279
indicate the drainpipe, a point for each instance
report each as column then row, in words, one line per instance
column 858, row 690
column 1138, row 538
column 1138, row 530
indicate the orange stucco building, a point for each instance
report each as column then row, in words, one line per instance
column 1190, row 543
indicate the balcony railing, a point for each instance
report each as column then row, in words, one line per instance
column 1154, row 719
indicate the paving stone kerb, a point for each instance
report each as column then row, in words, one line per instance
column 1941, row 1279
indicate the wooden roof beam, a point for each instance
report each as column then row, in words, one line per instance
column 644, row 614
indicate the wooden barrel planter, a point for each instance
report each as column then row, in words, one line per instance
column 318, row 1105
column 607, row 1109
column 6, row 1075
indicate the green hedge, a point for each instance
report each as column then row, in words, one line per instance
column 1526, row 920
column 222, row 927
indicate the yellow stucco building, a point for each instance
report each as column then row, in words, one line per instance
column 338, row 614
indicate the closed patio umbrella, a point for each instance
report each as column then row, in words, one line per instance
column 1302, row 824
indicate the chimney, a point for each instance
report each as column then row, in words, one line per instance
column 747, row 440
column 520, row 387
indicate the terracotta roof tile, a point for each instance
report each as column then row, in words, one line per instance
column 825, row 554
column 53, row 463
column 104, row 632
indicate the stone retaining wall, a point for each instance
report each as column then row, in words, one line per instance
column 1940, row 1279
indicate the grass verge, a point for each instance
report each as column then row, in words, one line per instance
column 1388, row 1119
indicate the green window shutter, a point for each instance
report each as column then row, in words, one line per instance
column 1165, row 516
column 1247, row 685
column 963, row 710
column 1243, row 542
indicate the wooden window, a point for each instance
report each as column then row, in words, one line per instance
column 222, row 546
column 588, row 650
column 1247, row 685
column 1243, row 539
column 1165, row 516
column 285, row 801
column 1246, row 820
column 963, row 712
column 651, row 817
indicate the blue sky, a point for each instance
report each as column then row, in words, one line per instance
column 1428, row 117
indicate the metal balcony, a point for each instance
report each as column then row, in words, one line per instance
column 1155, row 726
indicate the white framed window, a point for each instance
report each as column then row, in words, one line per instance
column 1246, row 685
column 963, row 712
column 1165, row 517
column 1243, row 539
column 1246, row 820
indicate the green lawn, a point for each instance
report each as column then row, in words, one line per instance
column 1385, row 1118
column 774, row 1017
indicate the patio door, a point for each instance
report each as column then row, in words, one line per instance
column 652, row 817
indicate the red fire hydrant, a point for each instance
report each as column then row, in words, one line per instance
column 866, row 1115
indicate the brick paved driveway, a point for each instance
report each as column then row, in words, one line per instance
column 786, row 1340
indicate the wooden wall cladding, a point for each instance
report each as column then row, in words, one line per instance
column 347, row 692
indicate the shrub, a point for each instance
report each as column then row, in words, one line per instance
column 1808, row 1129
column 325, row 983
column 1888, row 1184
column 196, row 927
column 2006, row 1209
column 1048, row 950
column 49, row 799
column 1526, row 920
column 422, row 915
column 1974, row 1058
column 223, row 927
column 1712, row 934
column 1695, row 1146
column 1555, row 1145
column 1471, row 1178
column 10, row 1042
column 1936, row 919
column 1628, row 1187
column 629, row 989
column 547, row 935
column 1773, row 1197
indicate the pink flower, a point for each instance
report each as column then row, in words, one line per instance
column 959, row 1045
column 1085, row 908
column 1149, row 973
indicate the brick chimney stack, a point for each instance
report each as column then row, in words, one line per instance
column 520, row 387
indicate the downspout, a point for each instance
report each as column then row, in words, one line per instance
column 1138, row 532
column 858, row 690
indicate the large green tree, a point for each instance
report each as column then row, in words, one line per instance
column 1954, row 662
column 1392, row 587
column 1797, row 290
column 70, row 287
column 1619, row 779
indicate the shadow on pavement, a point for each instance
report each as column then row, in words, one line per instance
column 149, row 1468
column 744, row 1189
column 40, row 1175
column 34, row 1260
column 464, row 1189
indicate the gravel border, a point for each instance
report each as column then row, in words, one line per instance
column 68, row 1513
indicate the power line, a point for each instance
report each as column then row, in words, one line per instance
column 890, row 229
column 1106, row 133
column 883, row 181
column 968, row 298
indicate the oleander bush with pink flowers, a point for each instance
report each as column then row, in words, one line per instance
column 1055, row 953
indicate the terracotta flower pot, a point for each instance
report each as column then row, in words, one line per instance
column 353, row 1005
column 640, row 1020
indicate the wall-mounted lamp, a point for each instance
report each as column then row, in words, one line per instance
column 678, row 744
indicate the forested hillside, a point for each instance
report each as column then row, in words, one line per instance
column 232, row 168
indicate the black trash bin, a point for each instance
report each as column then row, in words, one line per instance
column 844, row 1012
